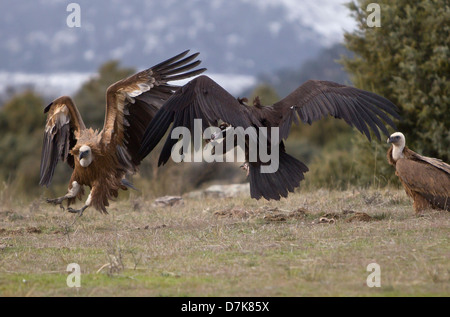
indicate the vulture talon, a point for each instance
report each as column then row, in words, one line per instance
column 77, row 211
column 56, row 201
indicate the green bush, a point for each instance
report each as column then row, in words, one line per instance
column 21, row 128
column 407, row 60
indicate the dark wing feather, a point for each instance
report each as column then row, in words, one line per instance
column 62, row 125
column 316, row 99
column 133, row 102
column 202, row 98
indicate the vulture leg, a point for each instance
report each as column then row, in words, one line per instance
column 57, row 201
column 79, row 211
column 71, row 193
column 421, row 204
column 246, row 167
column 86, row 205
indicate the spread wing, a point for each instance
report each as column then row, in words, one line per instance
column 202, row 98
column 63, row 124
column 316, row 99
column 133, row 102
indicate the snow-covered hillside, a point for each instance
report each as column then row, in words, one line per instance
column 233, row 36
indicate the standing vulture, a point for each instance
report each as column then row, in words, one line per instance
column 101, row 160
column 426, row 180
column 204, row 99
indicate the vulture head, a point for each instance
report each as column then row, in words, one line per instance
column 85, row 156
column 223, row 131
column 398, row 142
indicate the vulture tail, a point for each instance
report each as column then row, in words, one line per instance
column 276, row 185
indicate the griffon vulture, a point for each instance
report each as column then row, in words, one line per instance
column 426, row 180
column 101, row 160
column 202, row 98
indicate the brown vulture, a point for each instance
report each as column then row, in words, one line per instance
column 426, row 180
column 102, row 160
column 204, row 99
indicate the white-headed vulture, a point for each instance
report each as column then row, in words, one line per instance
column 426, row 180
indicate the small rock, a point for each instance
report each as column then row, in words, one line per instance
column 227, row 191
column 197, row 194
column 326, row 220
column 168, row 201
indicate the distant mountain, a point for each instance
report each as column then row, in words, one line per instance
column 324, row 66
column 233, row 36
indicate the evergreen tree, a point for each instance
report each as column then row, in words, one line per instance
column 407, row 60
column 21, row 124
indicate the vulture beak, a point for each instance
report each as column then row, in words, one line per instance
column 390, row 140
column 214, row 136
column 83, row 154
column 48, row 107
column 223, row 131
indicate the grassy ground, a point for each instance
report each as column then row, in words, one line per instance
column 312, row 244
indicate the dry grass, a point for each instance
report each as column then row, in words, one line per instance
column 229, row 247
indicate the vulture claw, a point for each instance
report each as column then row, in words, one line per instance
column 77, row 211
column 56, row 201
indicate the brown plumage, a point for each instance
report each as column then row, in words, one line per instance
column 426, row 180
column 204, row 99
column 101, row 160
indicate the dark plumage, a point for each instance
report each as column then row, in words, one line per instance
column 202, row 98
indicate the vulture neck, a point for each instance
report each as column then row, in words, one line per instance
column 397, row 152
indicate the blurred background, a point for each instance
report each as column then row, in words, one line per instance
column 251, row 47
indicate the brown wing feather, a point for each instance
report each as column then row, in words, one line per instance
column 62, row 127
column 202, row 98
column 426, row 179
column 430, row 160
column 423, row 177
column 316, row 99
column 133, row 102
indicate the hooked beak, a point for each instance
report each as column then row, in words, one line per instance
column 83, row 155
column 215, row 136
column 390, row 140
column 221, row 134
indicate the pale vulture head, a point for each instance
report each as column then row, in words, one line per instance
column 398, row 139
column 398, row 142
column 85, row 156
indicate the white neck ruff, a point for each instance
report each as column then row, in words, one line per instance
column 397, row 152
